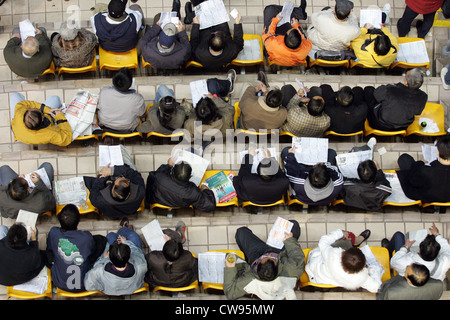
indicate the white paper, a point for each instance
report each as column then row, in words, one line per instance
column 36, row 285
column 372, row 16
column 198, row 164
column 431, row 126
column 26, row 29
column 234, row 13
column 397, row 195
column 154, row 236
column 211, row 13
column 277, row 233
column 348, row 162
column 310, row 151
column 80, row 113
column 166, row 17
column 28, row 218
column 412, row 52
column 198, row 90
column 429, row 153
column 211, row 267
column 71, row 190
column 370, row 257
column 258, row 157
column 43, row 176
column 251, row 51
column 418, row 236
column 110, row 155
column 300, row 84
column 286, row 12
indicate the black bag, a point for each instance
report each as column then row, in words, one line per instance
column 335, row 55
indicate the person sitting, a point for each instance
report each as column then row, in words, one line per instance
column 170, row 186
column 334, row 29
column 118, row 28
column 39, row 123
column 428, row 183
column 313, row 185
column 375, row 48
column 73, row 47
column 15, row 192
column 165, row 115
column 346, row 108
column 121, row 269
column 433, row 252
column 269, row 273
column 266, row 186
column 172, row 266
column 338, row 261
column 214, row 47
column 261, row 108
column 21, row 258
column 117, row 191
column 120, row 107
column 68, row 247
column 31, row 57
column 394, row 106
column 305, row 114
column 287, row 44
column 416, row 284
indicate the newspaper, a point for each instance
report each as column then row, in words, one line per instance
column 277, row 233
column 198, row 90
column 397, row 195
column 429, row 153
column 258, row 157
column 28, row 219
column 211, row 267
column 36, row 285
column 80, row 113
column 198, row 164
column 372, row 16
column 26, row 29
column 286, row 13
column 412, row 52
column 251, row 51
column 42, row 175
column 168, row 17
column 71, row 190
column 418, row 236
column 310, row 151
column 110, row 155
column 154, row 236
column 211, row 13
column 348, row 162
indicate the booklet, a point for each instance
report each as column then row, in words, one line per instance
column 348, row 162
column 413, row 52
column 222, row 186
column 154, row 236
column 277, row 233
column 258, row 157
column 198, row 164
column 110, row 155
column 28, row 219
column 310, row 151
column 211, row 267
column 44, row 177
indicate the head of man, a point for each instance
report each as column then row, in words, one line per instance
column 18, row 189
column 122, row 80
column 342, row 9
column 315, row 106
column 206, row 110
column 182, row 171
column 30, row 46
column 293, row 39
column 414, row 78
column 116, row 9
column 267, row 269
column 216, row 42
column 353, row 260
column 429, row 248
column 119, row 254
column 274, row 98
column 33, row 118
column 382, row 45
column 69, row 217
column 318, row 184
column 417, row 274
column 345, row 96
column 17, row 236
column 443, row 148
column 367, row 171
column 120, row 190
column 267, row 169
column 166, row 39
column 172, row 250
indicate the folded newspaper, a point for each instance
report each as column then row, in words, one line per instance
column 198, row 164
column 36, row 285
column 348, row 162
column 310, row 151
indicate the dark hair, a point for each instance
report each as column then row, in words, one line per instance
column 172, row 250
column 429, row 248
column 265, row 169
column 443, row 146
column 315, row 106
column 293, row 39
column 69, row 217
column 267, row 271
column 121, row 190
column 18, row 189
column 420, row 275
column 217, row 40
column 206, row 110
column 345, row 96
column 340, row 13
column 319, row 176
column 367, row 171
column 119, row 254
column 182, row 171
column 17, row 236
column 122, row 80
column 274, row 98
column 353, row 260
column 382, row 45
column 33, row 119
column 167, row 108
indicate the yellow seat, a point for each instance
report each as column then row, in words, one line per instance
column 244, row 63
column 145, row 288
column 11, row 292
column 437, row 204
column 117, row 60
column 146, row 64
column 193, row 285
column 162, row 135
column 287, row 133
column 161, row 206
column 333, row 133
column 270, row 62
column 122, row 136
column 399, row 204
column 434, row 111
column 406, row 65
column 328, row 63
column 439, row 22
column 47, row 213
column 91, row 67
column 67, row 294
column 90, row 207
column 50, row 70
column 291, row 201
column 192, row 63
column 219, row 286
column 368, row 130
column 208, row 174
column 249, row 203
column 87, row 137
column 304, row 278
column 237, row 114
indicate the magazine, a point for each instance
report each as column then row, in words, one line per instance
column 277, row 233
column 110, row 155
column 371, row 16
column 222, row 186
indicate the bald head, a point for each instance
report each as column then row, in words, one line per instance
column 30, row 46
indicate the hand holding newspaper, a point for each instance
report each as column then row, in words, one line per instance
column 278, row 232
column 42, row 175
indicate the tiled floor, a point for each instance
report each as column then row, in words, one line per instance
column 206, row 231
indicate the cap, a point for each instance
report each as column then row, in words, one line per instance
column 344, row 7
column 318, row 194
column 68, row 32
column 116, row 8
column 167, row 37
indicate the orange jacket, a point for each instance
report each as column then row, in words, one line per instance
column 277, row 50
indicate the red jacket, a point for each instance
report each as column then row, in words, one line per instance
column 424, row 6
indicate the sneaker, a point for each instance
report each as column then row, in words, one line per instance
column 263, row 78
column 372, row 143
column 444, row 71
column 231, row 76
column 386, row 9
column 181, row 229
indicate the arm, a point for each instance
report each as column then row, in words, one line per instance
column 293, row 258
column 134, row 176
column 238, row 36
column 236, row 278
column 400, row 261
column 63, row 136
column 195, row 37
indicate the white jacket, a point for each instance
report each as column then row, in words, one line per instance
column 324, row 266
column 326, row 32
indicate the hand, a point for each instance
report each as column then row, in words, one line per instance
column 288, row 235
column 261, row 87
column 230, row 264
column 434, row 230
column 252, row 150
column 301, row 92
column 196, row 20
column 368, row 26
column 346, row 235
column 170, row 162
column 204, row 187
column 180, row 26
column 121, row 239
column 33, row 234
column 105, row 171
column 55, row 112
column 292, row 150
column 208, row 95
column 279, row 16
column 159, row 23
column 166, row 237
column 238, row 18
column 409, row 243
column 35, row 177
column 38, row 31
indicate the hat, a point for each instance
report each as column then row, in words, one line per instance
column 318, row 194
column 344, row 7
column 167, row 38
column 116, row 8
column 68, row 32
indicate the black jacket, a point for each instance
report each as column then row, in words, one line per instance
column 164, row 189
column 100, row 192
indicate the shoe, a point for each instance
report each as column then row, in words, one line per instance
column 365, row 234
column 263, row 78
column 418, row 26
column 444, row 71
column 303, row 8
column 176, row 6
column 181, row 229
column 189, row 13
column 125, row 222
column 386, row 9
column 231, row 76
column 385, row 243
column 372, row 143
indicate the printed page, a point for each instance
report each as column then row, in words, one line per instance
column 28, row 218
column 372, row 16
column 211, row 267
column 348, row 162
column 168, row 17
column 429, row 153
column 310, row 151
column 212, row 13
column 71, row 190
column 251, row 51
column 277, row 233
column 198, row 164
column 198, row 90
column 397, row 195
column 286, row 13
column 418, row 236
column 110, row 154
column 44, row 177
column 36, row 285
column 300, row 84
column 412, row 52
column 26, row 29
column 153, row 235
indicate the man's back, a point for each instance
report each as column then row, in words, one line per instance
column 398, row 288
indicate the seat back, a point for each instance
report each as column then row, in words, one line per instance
column 48, row 293
column 409, row 65
column 433, row 111
column 117, row 60
column 368, row 130
column 91, row 67
column 260, row 60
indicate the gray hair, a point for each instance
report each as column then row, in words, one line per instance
column 30, row 46
column 414, row 78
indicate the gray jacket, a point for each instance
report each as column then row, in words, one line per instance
column 398, row 288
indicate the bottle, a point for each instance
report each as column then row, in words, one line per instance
column 83, row 204
column 423, row 124
column 231, row 257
